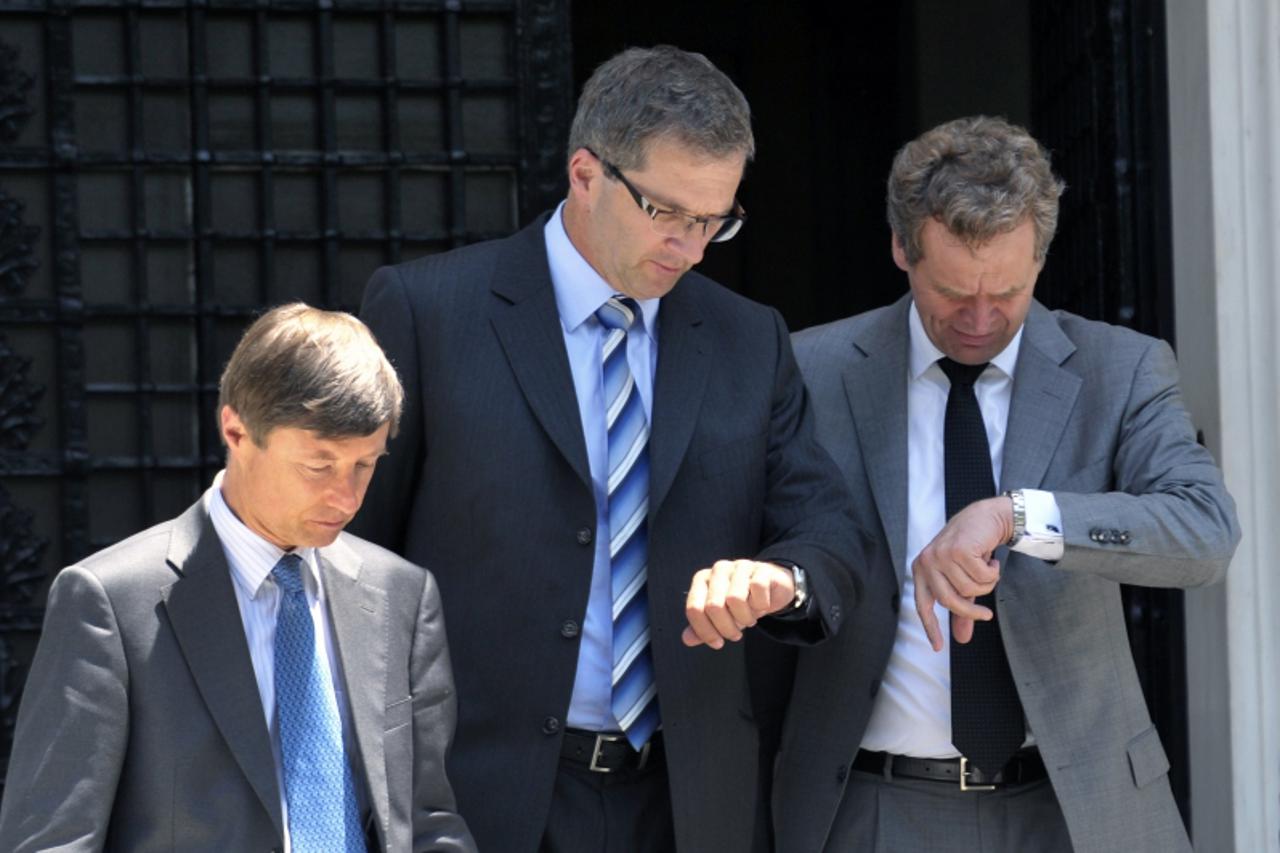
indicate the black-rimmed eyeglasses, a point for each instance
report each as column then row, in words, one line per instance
column 675, row 223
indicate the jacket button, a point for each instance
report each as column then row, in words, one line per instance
column 584, row 536
column 569, row 629
column 550, row 726
column 1124, row 537
column 896, row 602
column 834, row 613
column 842, row 773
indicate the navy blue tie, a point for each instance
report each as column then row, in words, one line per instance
column 635, row 691
column 318, row 783
column 987, row 724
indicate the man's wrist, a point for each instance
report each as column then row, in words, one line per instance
column 798, row 608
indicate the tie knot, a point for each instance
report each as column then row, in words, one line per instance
column 288, row 574
column 618, row 313
column 961, row 374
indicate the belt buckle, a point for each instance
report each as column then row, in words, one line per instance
column 596, row 751
column 602, row 739
column 964, row 778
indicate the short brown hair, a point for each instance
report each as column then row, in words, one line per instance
column 645, row 94
column 304, row 367
column 978, row 176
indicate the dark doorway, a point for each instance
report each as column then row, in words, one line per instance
column 836, row 88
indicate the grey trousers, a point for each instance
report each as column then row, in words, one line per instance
column 880, row 815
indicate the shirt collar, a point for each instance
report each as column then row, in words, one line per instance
column 924, row 354
column 579, row 289
column 251, row 557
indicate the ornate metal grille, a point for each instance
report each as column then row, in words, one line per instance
column 168, row 168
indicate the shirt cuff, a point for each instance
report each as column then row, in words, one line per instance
column 1043, row 539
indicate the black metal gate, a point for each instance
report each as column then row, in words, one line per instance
column 168, row 168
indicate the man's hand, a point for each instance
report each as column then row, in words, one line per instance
column 731, row 596
column 956, row 567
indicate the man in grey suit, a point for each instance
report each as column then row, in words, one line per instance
column 1023, row 727
column 247, row 676
column 608, row 461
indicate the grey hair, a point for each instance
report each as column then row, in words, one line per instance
column 298, row 366
column 645, row 94
column 978, row 176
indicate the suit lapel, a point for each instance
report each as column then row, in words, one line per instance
column 1043, row 396
column 358, row 613
column 527, row 323
column 683, row 365
column 876, row 389
column 202, row 609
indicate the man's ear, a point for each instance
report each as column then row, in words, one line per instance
column 584, row 173
column 234, row 432
column 899, row 253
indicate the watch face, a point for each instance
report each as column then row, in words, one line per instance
column 801, row 584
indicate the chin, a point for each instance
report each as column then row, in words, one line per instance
column 322, row 538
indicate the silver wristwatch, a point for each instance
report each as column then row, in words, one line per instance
column 1019, row 501
column 801, row 583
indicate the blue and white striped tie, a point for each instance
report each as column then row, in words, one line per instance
column 318, row 784
column 635, row 692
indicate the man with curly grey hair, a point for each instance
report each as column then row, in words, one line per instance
column 1020, row 465
column 608, row 460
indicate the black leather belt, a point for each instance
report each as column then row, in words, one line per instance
column 1026, row 766
column 608, row 752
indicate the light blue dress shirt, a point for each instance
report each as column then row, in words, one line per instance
column 251, row 558
column 580, row 291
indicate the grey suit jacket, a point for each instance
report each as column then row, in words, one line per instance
column 489, row 486
column 1096, row 417
column 141, row 728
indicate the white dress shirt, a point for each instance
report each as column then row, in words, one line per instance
column 251, row 559
column 580, row 291
column 912, row 711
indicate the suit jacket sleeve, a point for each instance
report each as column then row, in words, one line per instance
column 437, row 826
column 808, row 516
column 72, row 728
column 388, row 312
column 1166, row 494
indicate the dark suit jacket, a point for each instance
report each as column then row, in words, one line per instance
column 1095, row 417
column 141, row 728
column 489, row 485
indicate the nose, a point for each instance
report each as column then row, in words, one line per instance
column 346, row 494
column 983, row 317
column 690, row 246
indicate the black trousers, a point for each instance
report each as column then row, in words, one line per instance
column 624, row 812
